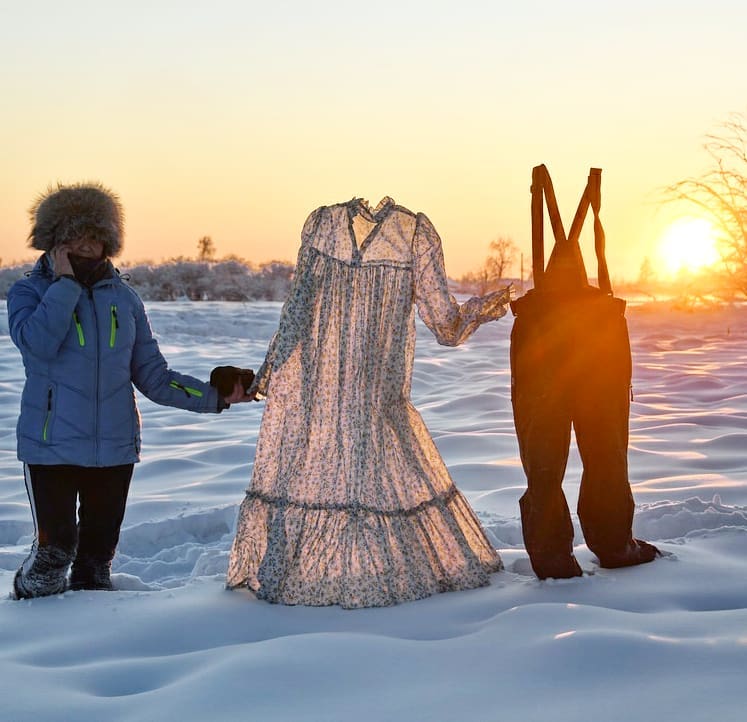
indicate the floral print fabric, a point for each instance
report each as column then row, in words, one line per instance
column 350, row 502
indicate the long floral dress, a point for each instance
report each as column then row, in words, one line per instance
column 350, row 502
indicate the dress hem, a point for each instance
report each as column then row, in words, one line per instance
column 354, row 509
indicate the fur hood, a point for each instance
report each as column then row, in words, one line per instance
column 67, row 212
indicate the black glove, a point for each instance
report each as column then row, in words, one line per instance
column 224, row 378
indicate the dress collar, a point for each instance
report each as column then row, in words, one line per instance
column 361, row 205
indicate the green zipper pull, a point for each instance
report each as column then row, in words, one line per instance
column 79, row 329
column 114, row 326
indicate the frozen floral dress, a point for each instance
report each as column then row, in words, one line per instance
column 350, row 502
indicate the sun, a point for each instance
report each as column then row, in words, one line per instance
column 688, row 244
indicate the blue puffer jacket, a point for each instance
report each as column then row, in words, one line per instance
column 82, row 351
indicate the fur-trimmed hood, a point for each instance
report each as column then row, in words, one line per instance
column 67, row 212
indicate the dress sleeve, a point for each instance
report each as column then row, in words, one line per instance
column 450, row 323
column 293, row 317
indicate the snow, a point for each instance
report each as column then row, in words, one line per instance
column 667, row 640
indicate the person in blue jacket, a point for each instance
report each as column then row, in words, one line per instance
column 85, row 340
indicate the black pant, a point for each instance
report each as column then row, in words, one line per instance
column 91, row 536
column 571, row 365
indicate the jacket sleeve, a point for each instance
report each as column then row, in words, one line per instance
column 153, row 377
column 450, row 323
column 38, row 324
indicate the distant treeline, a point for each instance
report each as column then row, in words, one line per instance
column 229, row 279
column 234, row 279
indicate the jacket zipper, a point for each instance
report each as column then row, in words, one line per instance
column 96, row 380
column 79, row 329
column 45, row 428
column 114, row 326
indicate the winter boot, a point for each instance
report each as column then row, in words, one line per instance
column 43, row 573
column 88, row 573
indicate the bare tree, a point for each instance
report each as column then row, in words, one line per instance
column 495, row 267
column 721, row 193
column 205, row 249
column 501, row 258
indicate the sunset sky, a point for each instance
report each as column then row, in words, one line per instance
column 235, row 119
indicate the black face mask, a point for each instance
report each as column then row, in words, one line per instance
column 88, row 271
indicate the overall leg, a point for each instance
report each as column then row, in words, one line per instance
column 103, row 496
column 52, row 492
column 601, row 419
column 543, row 426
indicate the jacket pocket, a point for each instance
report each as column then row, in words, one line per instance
column 135, row 416
column 46, row 431
column 79, row 329
column 114, row 325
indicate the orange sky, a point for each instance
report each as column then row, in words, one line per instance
column 236, row 119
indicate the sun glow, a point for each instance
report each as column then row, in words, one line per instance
column 689, row 244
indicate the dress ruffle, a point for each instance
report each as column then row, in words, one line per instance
column 356, row 556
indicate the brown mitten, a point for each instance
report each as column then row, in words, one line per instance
column 224, row 378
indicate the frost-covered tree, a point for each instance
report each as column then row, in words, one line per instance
column 721, row 194
column 10, row 274
column 230, row 279
column 226, row 280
